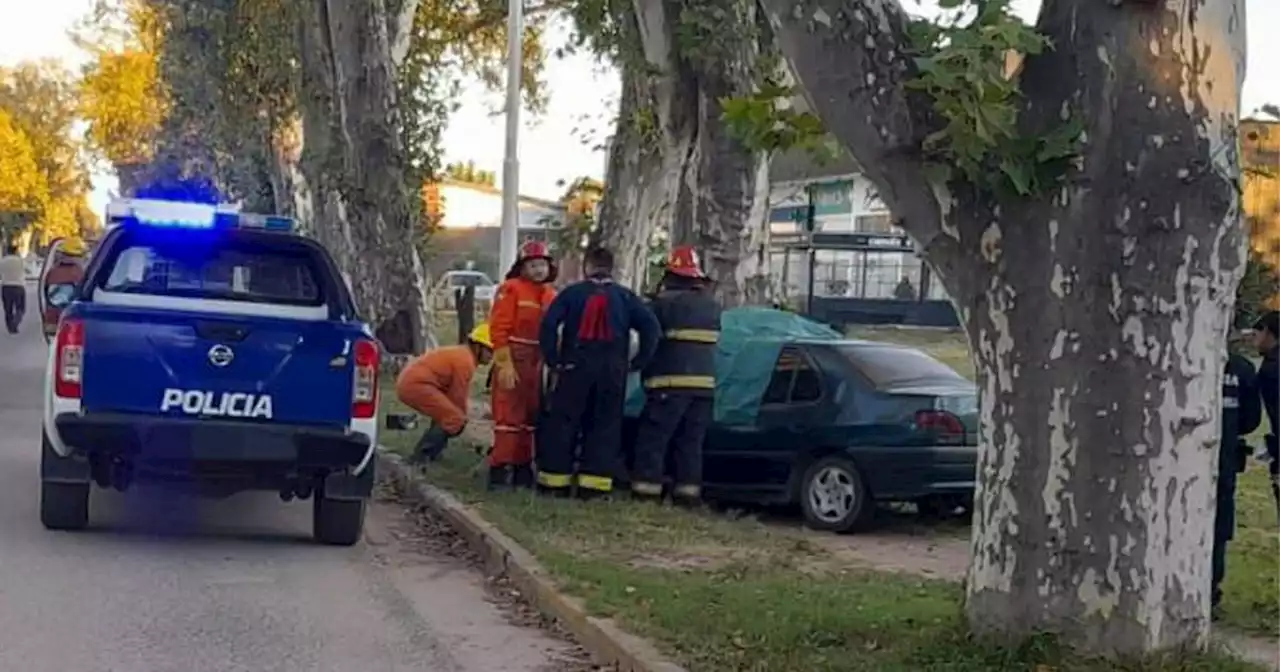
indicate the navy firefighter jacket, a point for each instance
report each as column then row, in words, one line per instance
column 596, row 313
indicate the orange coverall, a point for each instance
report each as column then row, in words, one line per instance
column 436, row 385
column 514, row 322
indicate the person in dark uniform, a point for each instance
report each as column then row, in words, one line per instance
column 1267, row 340
column 679, row 383
column 585, row 339
column 1241, row 413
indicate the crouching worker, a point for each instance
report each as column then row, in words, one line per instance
column 679, row 383
column 517, row 363
column 437, row 385
column 586, row 342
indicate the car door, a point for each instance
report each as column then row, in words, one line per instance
column 757, row 458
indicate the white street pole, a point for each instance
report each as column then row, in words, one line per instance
column 509, row 238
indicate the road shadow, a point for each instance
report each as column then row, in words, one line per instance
column 174, row 515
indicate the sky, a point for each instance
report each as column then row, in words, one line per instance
column 564, row 141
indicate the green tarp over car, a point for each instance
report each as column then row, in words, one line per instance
column 751, row 339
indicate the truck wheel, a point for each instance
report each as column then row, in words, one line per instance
column 833, row 496
column 337, row 522
column 64, row 506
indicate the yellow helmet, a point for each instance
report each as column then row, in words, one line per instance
column 72, row 246
column 481, row 335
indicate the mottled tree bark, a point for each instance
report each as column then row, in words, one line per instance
column 647, row 160
column 355, row 166
column 1097, row 312
column 674, row 167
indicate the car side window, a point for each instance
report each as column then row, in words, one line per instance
column 808, row 386
column 794, row 379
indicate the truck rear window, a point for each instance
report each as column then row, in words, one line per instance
column 226, row 269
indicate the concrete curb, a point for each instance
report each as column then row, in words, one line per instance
column 606, row 642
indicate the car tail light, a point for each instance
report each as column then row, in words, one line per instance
column 68, row 365
column 942, row 424
column 364, row 391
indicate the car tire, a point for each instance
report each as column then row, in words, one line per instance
column 337, row 522
column 833, row 497
column 64, row 506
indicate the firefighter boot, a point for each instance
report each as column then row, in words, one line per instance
column 522, row 476
column 497, row 477
column 687, row 497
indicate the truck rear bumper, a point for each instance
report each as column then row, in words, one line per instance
column 190, row 444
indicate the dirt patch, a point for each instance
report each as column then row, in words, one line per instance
column 694, row 558
column 941, row 557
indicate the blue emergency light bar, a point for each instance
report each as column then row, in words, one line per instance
column 186, row 215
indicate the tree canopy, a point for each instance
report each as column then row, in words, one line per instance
column 40, row 100
column 23, row 188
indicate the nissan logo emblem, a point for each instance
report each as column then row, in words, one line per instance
column 220, row 355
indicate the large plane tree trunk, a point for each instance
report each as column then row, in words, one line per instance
column 354, row 165
column 673, row 166
column 1097, row 310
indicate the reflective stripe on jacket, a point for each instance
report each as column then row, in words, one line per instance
column 686, row 357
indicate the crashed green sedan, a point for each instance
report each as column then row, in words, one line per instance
column 805, row 416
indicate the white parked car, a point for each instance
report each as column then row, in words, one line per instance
column 457, row 279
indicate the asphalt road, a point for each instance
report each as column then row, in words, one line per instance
column 165, row 584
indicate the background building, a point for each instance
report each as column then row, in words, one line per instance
column 469, row 217
column 845, row 202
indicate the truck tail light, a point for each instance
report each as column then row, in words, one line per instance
column 68, row 365
column 942, row 424
column 364, row 391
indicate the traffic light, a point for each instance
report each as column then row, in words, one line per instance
column 433, row 201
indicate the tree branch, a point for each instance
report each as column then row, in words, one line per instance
column 852, row 62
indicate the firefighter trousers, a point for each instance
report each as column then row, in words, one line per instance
column 515, row 411
column 588, row 396
column 673, row 425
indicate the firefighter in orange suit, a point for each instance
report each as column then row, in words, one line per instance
column 437, row 385
column 517, row 364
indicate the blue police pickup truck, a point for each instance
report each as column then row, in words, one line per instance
column 216, row 352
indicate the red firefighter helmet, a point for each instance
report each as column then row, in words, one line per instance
column 534, row 249
column 684, row 262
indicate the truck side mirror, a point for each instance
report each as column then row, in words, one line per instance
column 60, row 296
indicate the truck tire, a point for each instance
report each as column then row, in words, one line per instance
column 64, row 506
column 337, row 522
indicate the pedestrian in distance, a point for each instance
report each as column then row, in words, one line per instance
column 679, row 383
column 13, row 288
column 437, row 385
column 516, row 383
column 1267, row 340
column 586, row 342
column 1241, row 413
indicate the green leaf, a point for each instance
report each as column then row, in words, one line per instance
column 1019, row 175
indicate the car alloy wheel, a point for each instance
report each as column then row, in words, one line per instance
column 833, row 494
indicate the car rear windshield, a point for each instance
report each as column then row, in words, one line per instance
column 280, row 272
column 887, row 365
column 470, row 280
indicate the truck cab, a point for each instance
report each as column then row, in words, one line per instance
column 217, row 352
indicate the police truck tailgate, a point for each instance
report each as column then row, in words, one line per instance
column 240, row 325
column 187, row 364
